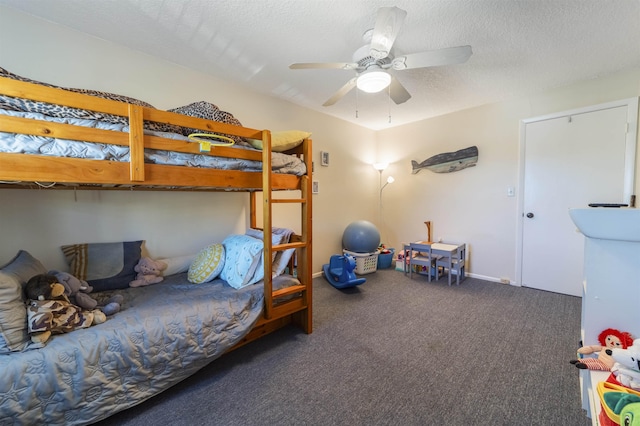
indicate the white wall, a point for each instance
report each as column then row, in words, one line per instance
column 171, row 223
column 472, row 205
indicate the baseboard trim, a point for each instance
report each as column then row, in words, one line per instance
column 469, row 274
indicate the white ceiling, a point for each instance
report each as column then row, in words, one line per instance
column 519, row 46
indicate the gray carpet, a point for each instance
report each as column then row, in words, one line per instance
column 395, row 351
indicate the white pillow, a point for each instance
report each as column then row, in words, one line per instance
column 175, row 265
column 281, row 262
column 207, row 265
column 243, row 264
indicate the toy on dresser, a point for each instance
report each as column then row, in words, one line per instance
column 608, row 339
column 627, row 365
column 620, row 405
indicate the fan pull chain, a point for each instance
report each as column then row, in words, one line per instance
column 356, row 103
column 389, row 103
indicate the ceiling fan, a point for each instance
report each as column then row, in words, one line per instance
column 372, row 60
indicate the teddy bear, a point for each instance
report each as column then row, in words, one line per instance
column 608, row 339
column 149, row 272
column 78, row 293
column 627, row 365
column 49, row 310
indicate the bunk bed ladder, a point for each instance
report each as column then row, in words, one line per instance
column 299, row 307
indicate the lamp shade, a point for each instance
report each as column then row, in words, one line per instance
column 373, row 81
column 380, row 166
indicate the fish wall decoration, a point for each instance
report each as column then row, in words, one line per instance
column 448, row 162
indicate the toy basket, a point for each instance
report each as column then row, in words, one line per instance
column 607, row 417
column 385, row 259
column 366, row 263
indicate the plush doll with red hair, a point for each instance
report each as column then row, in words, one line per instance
column 609, row 339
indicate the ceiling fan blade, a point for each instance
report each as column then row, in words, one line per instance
column 388, row 24
column 433, row 58
column 341, row 92
column 324, row 65
column 397, row 92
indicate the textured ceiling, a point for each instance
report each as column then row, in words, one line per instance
column 519, row 46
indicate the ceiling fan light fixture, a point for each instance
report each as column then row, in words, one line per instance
column 373, row 81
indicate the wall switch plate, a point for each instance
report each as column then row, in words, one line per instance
column 511, row 191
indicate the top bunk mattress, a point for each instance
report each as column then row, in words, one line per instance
column 57, row 147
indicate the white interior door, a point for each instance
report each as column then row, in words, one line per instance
column 569, row 161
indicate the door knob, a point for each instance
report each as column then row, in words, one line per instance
column 529, row 215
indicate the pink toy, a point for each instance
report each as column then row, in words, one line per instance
column 149, row 272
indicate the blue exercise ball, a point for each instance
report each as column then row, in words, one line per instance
column 361, row 236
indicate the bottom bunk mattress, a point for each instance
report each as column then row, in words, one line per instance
column 163, row 334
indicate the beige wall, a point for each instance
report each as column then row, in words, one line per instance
column 472, row 205
column 171, row 223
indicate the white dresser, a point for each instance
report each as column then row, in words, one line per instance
column 611, row 285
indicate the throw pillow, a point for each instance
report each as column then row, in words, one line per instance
column 207, row 111
column 105, row 266
column 243, row 261
column 13, row 313
column 207, row 265
column 282, row 141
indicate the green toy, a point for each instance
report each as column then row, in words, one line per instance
column 624, row 405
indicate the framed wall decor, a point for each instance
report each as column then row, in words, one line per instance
column 324, row 158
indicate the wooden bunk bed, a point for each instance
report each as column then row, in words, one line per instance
column 21, row 170
column 128, row 359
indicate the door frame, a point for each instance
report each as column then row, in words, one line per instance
column 629, row 163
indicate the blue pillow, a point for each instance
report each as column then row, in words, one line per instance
column 243, row 263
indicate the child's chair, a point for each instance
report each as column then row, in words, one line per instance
column 457, row 265
column 423, row 257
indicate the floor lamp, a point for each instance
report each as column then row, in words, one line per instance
column 380, row 168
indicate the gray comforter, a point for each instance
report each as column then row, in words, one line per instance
column 164, row 333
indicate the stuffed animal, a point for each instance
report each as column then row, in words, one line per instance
column 620, row 407
column 49, row 310
column 78, row 293
column 149, row 272
column 608, row 339
column 630, row 414
column 43, row 287
column 627, row 366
